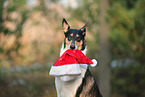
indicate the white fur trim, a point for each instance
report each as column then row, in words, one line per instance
column 94, row 63
column 72, row 77
column 70, row 69
column 84, row 66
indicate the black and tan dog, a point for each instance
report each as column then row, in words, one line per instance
column 83, row 85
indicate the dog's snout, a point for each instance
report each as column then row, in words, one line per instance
column 72, row 46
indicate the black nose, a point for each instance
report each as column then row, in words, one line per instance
column 72, row 46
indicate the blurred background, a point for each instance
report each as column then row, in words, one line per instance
column 31, row 36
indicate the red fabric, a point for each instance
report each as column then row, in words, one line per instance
column 72, row 57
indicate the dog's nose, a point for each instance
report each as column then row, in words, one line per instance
column 72, row 46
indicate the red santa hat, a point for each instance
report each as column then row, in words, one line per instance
column 69, row 63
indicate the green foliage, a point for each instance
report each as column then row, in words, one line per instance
column 128, row 28
column 126, row 19
column 87, row 11
column 129, row 81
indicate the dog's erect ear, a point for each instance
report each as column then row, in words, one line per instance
column 65, row 25
column 83, row 29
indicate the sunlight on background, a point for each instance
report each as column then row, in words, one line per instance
column 69, row 3
column 31, row 44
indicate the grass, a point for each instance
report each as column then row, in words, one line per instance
column 25, row 81
column 33, row 83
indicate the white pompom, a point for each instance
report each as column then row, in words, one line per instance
column 94, row 63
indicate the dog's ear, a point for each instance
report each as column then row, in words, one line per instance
column 65, row 25
column 83, row 29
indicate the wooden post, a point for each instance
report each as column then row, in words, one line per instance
column 104, row 73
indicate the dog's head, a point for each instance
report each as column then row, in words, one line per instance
column 74, row 38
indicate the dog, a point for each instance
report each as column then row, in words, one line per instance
column 83, row 85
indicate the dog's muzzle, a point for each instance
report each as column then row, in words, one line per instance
column 72, row 46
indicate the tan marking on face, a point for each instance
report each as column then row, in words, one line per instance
column 77, row 35
column 79, row 44
column 71, row 35
column 68, row 43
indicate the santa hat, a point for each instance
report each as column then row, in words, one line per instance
column 69, row 63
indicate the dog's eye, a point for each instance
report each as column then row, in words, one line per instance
column 69, row 38
column 78, row 39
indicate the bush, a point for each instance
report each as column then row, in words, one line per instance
column 126, row 19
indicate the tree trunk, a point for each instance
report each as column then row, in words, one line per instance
column 104, row 52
